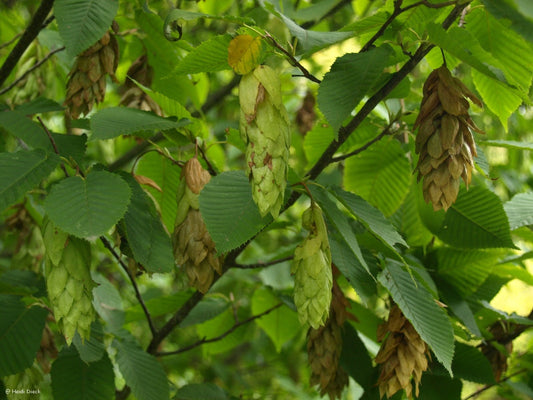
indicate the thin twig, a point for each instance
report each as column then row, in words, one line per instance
column 10, row 41
column 399, row 10
column 54, row 146
column 219, row 337
column 293, row 61
column 263, row 264
column 25, row 40
column 30, row 70
column 384, row 133
column 490, row 385
column 210, row 167
column 108, row 246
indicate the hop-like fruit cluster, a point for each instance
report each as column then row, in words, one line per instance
column 87, row 81
column 403, row 355
column 324, row 347
column 68, row 281
column 444, row 140
column 134, row 96
column 264, row 125
column 312, row 271
column 193, row 246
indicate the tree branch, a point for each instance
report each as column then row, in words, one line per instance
column 384, row 133
column 293, row 61
column 219, row 337
column 108, row 246
column 372, row 102
column 263, row 264
column 397, row 11
column 176, row 319
column 25, row 40
column 30, row 70
column 211, row 101
column 490, row 385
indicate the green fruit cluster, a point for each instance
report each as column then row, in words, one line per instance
column 68, row 281
column 312, row 271
column 265, row 128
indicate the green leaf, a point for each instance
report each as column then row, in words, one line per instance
column 340, row 221
column 93, row 348
column 370, row 217
column 88, row 207
column 208, row 308
column 381, row 175
column 513, row 53
column 177, row 15
column 90, row 381
column 111, row 122
column 317, row 140
column 420, row 308
column 463, row 45
column 281, row 324
column 22, row 171
column 508, row 144
column 201, row 391
column 142, row 372
column 311, row 41
column 148, row 241
column 512, row 271
column 343, row 258
column 439, row 387
column 466, row 270
column 209, row 56
column 219, row 325
column 471, row 365
column 408, row 221
column 459, row 306
column 229, row 211
column 30, row 132
column 519, row 210
column 21, row 330
column 24, row 282
column 355, row 359
column 476, row 221
column 350, row 78
column 108, row 303
column 39, row 105
column 158, row 306
column 505, row 9
column 82, row 22
column 167, row 176
column 497, row 96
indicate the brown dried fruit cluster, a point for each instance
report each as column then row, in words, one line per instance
column 306, row 115
column 193, row 246
column 134, row 96
column 87, row 82
column 324, row 347
column 444, row 140
column 403, row 355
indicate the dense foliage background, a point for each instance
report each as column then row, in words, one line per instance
column 93, row 187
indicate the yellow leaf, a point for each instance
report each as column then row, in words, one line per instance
column 243, row 53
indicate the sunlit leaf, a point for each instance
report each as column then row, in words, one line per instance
column 244, row 53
